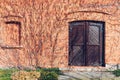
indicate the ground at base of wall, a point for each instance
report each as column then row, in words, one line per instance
column 77, row 75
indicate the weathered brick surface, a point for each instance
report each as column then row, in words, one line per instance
column 44, row 30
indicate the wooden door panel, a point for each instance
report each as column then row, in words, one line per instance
column 93, row 56
column 94, row 40
column 76, row 45
column 77, row 35
column 93, row 35
column 77, row 56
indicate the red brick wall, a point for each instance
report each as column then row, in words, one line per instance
column 44, row 30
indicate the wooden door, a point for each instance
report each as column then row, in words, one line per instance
column 86, row 43
column 94, row 43
column 76, row 44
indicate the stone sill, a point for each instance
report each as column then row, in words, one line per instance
column 11, row 47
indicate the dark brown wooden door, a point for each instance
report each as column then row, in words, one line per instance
column 86, row 43
column 76, row 41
